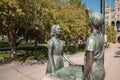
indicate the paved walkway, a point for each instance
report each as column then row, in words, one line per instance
column 112, row 62
column 15, row 71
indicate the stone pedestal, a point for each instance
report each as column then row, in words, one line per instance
column 67, row 73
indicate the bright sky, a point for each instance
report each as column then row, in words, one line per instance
column 95, row 4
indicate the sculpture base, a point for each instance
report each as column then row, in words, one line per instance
column 70, row 73
column 67, row 73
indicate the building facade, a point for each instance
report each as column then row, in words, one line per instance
column 112, row 17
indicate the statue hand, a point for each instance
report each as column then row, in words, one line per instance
column 71, row 64
column 54, row 74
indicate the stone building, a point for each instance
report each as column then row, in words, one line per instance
column 112, row 17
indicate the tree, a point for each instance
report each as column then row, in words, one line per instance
column 111, row 33
column 19, row 18
column 11, row 14
column 70, row 15
column 29, row 20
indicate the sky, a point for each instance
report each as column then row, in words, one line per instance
column 95, row 4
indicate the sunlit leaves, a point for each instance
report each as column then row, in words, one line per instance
column 111, row 33
column 72, row 18
column 24, row 14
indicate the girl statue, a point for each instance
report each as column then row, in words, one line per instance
column 56, row 51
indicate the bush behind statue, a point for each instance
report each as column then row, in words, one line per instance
column 27, row 52
column 111, row 34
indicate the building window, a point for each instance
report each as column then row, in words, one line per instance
column 107, row 17
column 113, row 17
column 118, row 16
column 106, row 12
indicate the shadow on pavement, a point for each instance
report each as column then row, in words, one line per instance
column 117, row 54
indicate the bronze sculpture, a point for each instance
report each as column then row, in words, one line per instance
column 55, row 51
column 94, row 52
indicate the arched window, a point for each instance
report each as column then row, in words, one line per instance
column 118, row 25
column 112, row 23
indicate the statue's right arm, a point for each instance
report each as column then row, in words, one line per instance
column 50, row 55
column 88, row 64
column 89, row 56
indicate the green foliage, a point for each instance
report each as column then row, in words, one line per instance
column 4, row 43
column 81, row 47
column 73, row 49
column 111, row 33
column 21, row 16
column 4, row 55
column 18, row 19
column 11, row 17
column 27, row 53
column 10, row 14
column 69, row 15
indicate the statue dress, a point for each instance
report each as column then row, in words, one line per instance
column 57, row 51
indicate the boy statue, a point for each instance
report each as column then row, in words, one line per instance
column 94, row 52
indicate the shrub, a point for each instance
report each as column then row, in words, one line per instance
column 111, row 34
column 27, row 52
column 72, row 49
column 4, row 43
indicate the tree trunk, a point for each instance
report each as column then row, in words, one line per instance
column 12, row 40
column 77, row 43
column 66, row 44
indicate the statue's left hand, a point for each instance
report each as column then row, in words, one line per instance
column 72, row 64
column 54, row 74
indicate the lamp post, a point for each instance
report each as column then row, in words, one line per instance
column 102, row 10
column 36, row 38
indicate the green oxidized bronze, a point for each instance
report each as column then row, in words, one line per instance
column 93, row 68
column 56, row 54
column 94, row 53
column 73, row 72
column 56, row 51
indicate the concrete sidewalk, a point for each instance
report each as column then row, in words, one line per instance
column 16, row 71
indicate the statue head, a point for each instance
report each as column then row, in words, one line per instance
column 55, row 30
column 96, row 19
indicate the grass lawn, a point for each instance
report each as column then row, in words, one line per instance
column 25, row 51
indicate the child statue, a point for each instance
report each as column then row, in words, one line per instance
column 56, row 51
column 94, row 52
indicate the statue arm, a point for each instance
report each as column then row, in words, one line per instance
column 50, row 55
column 88, row 64
column 67, row 59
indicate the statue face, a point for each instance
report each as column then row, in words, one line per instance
column 57, row 31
